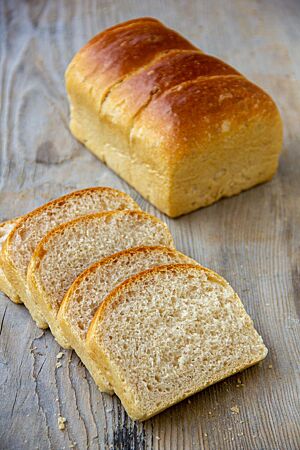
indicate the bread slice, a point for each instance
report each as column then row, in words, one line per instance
column 21, row 242
column 94, row 284
column 72, row 247
column 170, row 332
column 5, row 285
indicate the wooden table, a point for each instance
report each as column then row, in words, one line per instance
column 252, row 239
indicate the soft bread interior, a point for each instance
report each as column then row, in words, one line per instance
column 170, row 332
column 20, row 245
column 93, row 285
column 64, row 253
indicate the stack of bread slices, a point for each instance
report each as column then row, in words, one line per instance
column 148, row 322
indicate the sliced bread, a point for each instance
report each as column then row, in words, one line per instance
column 21, row 242
column 72, row 247
column 93, row 285
column 168, row 333
column 5, row 285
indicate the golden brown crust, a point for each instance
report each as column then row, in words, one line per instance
column 173, row 81
column 121, row 25
column 119, row 50
column 152, row 112
column 171, row 69
column 218, row 103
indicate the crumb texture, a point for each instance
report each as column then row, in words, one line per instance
column 37, row 224
column 81, row 243
column 171, row 332
column 96, row 283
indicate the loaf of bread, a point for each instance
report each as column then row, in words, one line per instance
column 91, row 287
column 73, row 246
column 20, row 244
column 169, row 332
column 180, row 126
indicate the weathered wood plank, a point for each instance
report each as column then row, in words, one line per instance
column 252, row 239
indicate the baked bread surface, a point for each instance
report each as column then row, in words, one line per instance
column 5, row 286
column 169, row 332
column 182, row 127
column 21, row 242
column 72, row 247
column 92, row 286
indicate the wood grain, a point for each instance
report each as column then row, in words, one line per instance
column 252, row 239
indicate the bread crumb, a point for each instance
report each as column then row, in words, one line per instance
column 270, row 366
column 157, row 437
column 240, row 434
column 72, row 445
column 240, row 384
column 235, row 409
column 209, row 412
column 59, row 355
column 61, row 422
column 205, row 434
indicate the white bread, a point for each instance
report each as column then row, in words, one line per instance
column 180, row 126
column 93, row 285
column 72, row 247
column 168, row 333
column 5, row 285
column 21, row 242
